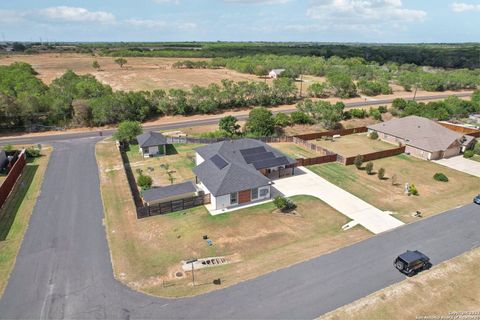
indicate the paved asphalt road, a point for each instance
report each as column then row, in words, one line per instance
column 214, row 120
column 63, row 269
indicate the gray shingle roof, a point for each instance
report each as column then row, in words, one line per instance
column 160, row 193
column 420, row 133
column 241, row 170
column 151, row 139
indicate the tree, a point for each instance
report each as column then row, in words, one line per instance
column 369, row 167
column 323, row 112
column 284, row 204
column 440, row 177
column 413, row 190
column 318, row 90
column 358, row 162
column 476, row 148
column 399, row 104
column 144, row 182
column 96, row 65
column 299, row 117
column 381, row 173
column 260, row 122
column 121, row 62
column 282, row 120
column 229, row 125
column 128, row 130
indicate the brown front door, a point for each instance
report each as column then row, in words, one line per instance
column 244, row 196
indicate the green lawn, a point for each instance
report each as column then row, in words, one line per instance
column 435, row 197
column 146, row 253
column 15, row 214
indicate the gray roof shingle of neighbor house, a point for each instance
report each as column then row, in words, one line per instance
column 420, row 133
column 151, row 139
column 232, row 166
column 168, row 191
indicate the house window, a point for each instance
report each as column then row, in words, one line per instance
column 254, row 193
column 233, row 198
column 263, row 192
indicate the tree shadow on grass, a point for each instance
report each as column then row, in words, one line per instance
column 14, row 201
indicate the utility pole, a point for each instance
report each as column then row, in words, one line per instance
column 301, row 85
column 415, row 93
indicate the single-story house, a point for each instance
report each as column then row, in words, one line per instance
column 475, row 118
column 152, row 144
column 170, row 193
column 275, row 73
column 239, row 171
column 423, row 138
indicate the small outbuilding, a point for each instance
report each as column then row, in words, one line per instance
column 275, row 73
column 152, row 144
column 170, row 193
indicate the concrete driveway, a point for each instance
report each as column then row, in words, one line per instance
column 308, row 183
column 459, row 163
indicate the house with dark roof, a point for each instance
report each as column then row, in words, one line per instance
column 152, row 144
column 240, row 171
column 423, row 138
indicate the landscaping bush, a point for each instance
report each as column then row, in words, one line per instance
column 282, row 120
column 373, row 135
column 413, row 190
column 284, row 204
column 375, row 114
column 381, row 173
column 369, row 167
column 144, row 182
column 382, row 109
column 468, row 154
column 440, row 177
column 476, row 149
column 299, row 117
column 32, row 152
column 358, row 162
column 358, row 113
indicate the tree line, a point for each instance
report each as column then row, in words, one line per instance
column 82, row 100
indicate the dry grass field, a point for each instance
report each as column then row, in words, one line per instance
column 434, row 196
column 453, row 286
column 294, row 151
column 354, row 144
column 146, row 254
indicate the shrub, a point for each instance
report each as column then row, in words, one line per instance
column 468, row 154
column 8, row 148
column 382, row 109
column 358, row 113
column 358, row 162
column 32, row 152
column 373, row 135
column 282, row 120
column 381, row 173
column 476, row 149
column 144, row 182
column 375, row 114
column 369, row 167
column 413, row 190
column 440, row 177
column 284, row 204
column 299, row 117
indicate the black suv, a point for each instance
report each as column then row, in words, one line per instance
column 411, row 262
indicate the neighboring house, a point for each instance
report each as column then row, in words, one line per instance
column 475, row 118
column 152, row 144
column 423, row 137
column 239, row 171
column 275, row 73
column 170, row 193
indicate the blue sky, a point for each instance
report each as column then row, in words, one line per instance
column 241, row 20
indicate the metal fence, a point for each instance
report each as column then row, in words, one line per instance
column 172, row 206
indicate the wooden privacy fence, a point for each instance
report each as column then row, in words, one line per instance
column 460, row 129
column 193, row 140
column 12, row 177
column 317, row 160
column 375, row 155
column 313, row 147
column 342, row 132
column 172, row 206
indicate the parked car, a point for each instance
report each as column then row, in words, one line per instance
column 411, row 262
column 476, row 199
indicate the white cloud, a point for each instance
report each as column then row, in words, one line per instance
column 75, row 14
column 160, row 24
column 348, row 13
column 464, row 7
column 166, row 1
column 258, row 1
column 10, row 16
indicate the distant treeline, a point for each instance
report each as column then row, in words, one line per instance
column 435, row 55
column 82, row 100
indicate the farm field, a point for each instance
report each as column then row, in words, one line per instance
column 353, row 144
column 434, row 196
column 16, row 212
column 453, row 285
column 147, row 253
